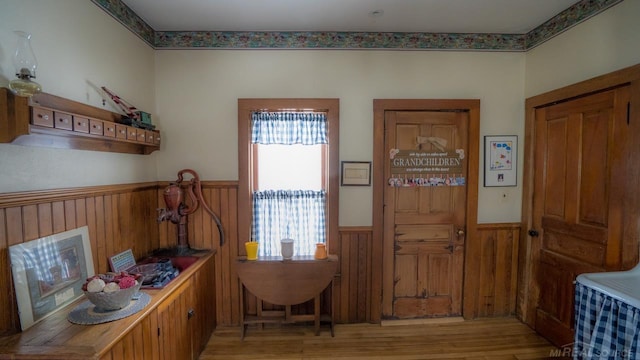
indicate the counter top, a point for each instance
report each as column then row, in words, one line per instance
column 55, row 335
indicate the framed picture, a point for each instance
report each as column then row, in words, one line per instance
column 500, row 160
column 48, row 273
column 356, row 173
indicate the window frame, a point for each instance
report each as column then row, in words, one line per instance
column 247, row 170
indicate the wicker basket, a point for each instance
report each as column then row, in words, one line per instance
column 113, row 300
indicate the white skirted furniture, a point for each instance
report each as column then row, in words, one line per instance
column 607, row 316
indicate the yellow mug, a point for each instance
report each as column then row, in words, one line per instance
column 252, row 250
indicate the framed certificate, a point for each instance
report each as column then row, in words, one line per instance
column 356, row 173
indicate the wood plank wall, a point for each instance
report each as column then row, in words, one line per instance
column 353, row 285
column 117, row 217
column 202, row 231
column 495, row 272
column 120, row 217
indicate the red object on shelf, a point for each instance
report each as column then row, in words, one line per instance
column 129, row 110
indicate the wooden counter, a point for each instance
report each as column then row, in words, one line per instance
column 139, row 336
column 286, row 282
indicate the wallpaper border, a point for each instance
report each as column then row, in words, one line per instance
column 568, row 18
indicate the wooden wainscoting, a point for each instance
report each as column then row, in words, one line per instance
column 119, row 217
column 202, row 232
column 493, row 274
column 353, row 284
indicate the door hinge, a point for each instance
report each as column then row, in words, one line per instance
column 158, row 332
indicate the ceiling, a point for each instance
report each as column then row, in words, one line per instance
column 425, row 16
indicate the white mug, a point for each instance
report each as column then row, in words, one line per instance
column 286, row 248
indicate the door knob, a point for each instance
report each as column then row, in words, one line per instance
column 533, row 233
column 460, row 232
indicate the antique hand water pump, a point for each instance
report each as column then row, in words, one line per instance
column 177, row 211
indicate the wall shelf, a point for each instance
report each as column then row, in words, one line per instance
column 47, row 120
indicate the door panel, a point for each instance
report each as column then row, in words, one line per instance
column 594, row 169
column 428, row 251
column 577, row 146
column 556, row 134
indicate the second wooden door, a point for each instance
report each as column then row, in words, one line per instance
column 580, row 148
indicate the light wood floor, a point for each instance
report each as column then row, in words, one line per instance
column 503, row 338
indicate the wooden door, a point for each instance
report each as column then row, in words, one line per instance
column 578, row 200
column 426, row 223
column 174, row 326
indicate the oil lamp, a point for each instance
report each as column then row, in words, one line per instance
column 24, row 61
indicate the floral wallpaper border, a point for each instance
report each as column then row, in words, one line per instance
column 339, row 40
column 121, row 12
column 570, row 17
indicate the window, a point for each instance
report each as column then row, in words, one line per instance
column 288, row 208
column 278, row 181
column 288, row 167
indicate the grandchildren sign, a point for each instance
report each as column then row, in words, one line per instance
column 426, row 162
column 426, row 168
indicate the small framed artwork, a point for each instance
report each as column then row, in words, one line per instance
column 48, row 273
column 356, row 173
column 500, row 160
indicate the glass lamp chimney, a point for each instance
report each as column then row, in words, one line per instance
column 25, row 63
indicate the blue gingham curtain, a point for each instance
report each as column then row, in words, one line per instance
column 288, row 214
column 605, row 328
column 293, row 214
column 288, row 128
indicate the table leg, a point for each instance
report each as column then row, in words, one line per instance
column 242, row 324
column 316, row 313
column 332, row 308
column 259, row 312
column 287, row 314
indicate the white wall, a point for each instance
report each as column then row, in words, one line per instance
column 610, row 41
column 76, row 45
column 209, row 83
column 193, row 94
column 197, row 94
